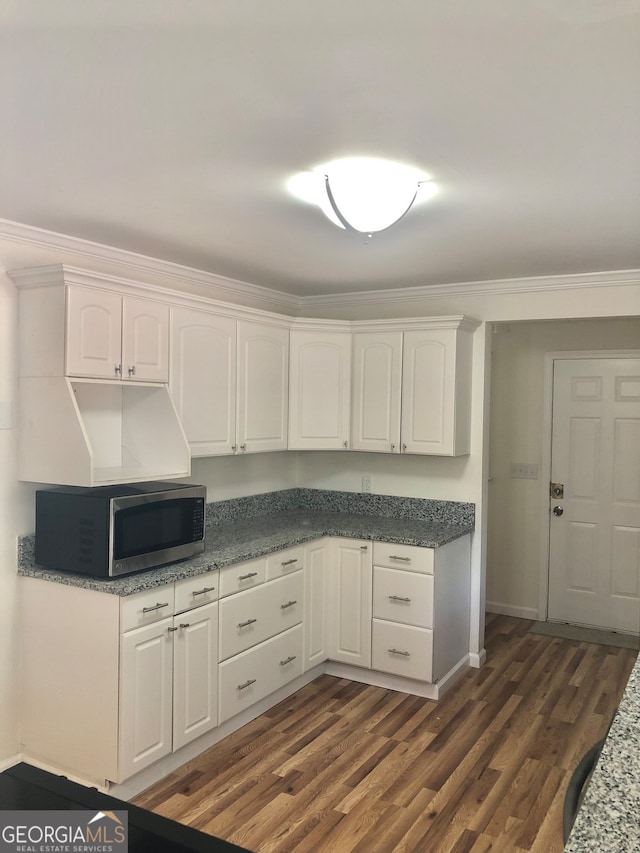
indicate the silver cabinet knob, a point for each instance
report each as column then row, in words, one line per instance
column 558, row 510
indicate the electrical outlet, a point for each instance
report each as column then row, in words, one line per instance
column 523, row 471
column 367, row 484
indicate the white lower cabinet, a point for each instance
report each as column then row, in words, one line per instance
column 316, row 586
column 168, row 686
column 257, row 672
column 402, row 650
column 126, row 681
column 421, row 598
column 349, row 616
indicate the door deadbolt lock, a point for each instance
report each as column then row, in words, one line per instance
column 558, row 510
column 556, row 490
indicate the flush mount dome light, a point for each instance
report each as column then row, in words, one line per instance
column 363, row 194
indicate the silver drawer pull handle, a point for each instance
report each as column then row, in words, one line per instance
column 246, row 577
column 155, row 607
column 287, row 660
column 204, row 590
column 398, row 652
column 289, row 562
column 398, row 598
column 171, row 630
column 288, row 604
column 364, row 547
column 404, row 559
column 248, row 622
column 185, row 624
column 247, row 684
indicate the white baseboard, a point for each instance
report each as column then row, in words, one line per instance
column 477, row 659
column 511, row 610
column 6, row 763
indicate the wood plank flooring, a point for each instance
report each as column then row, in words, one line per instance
column 342, row 767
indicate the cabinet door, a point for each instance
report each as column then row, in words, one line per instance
column 349, row 626
column 145, row 340
column 195, row 674
column 203, row 379
column 146, row 696
column 316, row 579
column 377, row 378
column 263, row 387
column 319, row 390
column 93, row 333
column 428, row 392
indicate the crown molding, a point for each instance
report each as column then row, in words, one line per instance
column 182, row 277
column 212, row 287
column 474, row 288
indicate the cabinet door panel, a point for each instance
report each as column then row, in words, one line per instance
column 350, row 604
column 320, row 389
column 263, row 387
column 377, row 378
column 316, row 580
column 203, row 379
column 146, row 693
column 145, row 340
column 427, row 392
column 94, row 333
column 195, row 666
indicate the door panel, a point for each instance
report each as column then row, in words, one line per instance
column 594, row 559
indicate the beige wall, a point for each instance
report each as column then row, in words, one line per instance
column 514, row 544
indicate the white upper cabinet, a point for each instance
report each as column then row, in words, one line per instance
column 412, row 387
column 229, row 382
column 110, row 336
column 377, row 379
column 203, row 379
column 436, row 392
column 319, row 390
column 263, row 387
column 93, row 366
column 94, row 333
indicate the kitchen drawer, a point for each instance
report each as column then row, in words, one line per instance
column 250, row 617
column 254, row 674
column 407, row 557
column 402, row 650
column 241, row 576
column 284, row 562
column 193, row 592
column 401, row 596
column 144, row 608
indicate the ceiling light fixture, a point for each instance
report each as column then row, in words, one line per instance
column 363, row 194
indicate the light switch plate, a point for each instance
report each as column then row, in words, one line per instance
column 523, row 471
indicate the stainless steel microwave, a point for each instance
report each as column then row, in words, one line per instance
column 115, row 530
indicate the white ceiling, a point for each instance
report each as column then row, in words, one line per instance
column 170, row 128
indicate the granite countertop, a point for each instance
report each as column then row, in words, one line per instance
column 609, row 818
column 236, row 541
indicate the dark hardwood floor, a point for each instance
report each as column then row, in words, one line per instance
column 341, row 767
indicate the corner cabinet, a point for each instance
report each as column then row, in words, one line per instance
column 93, row 370
column 412, row 386
column 319, row 389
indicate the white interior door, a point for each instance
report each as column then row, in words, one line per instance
column 594, row 559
